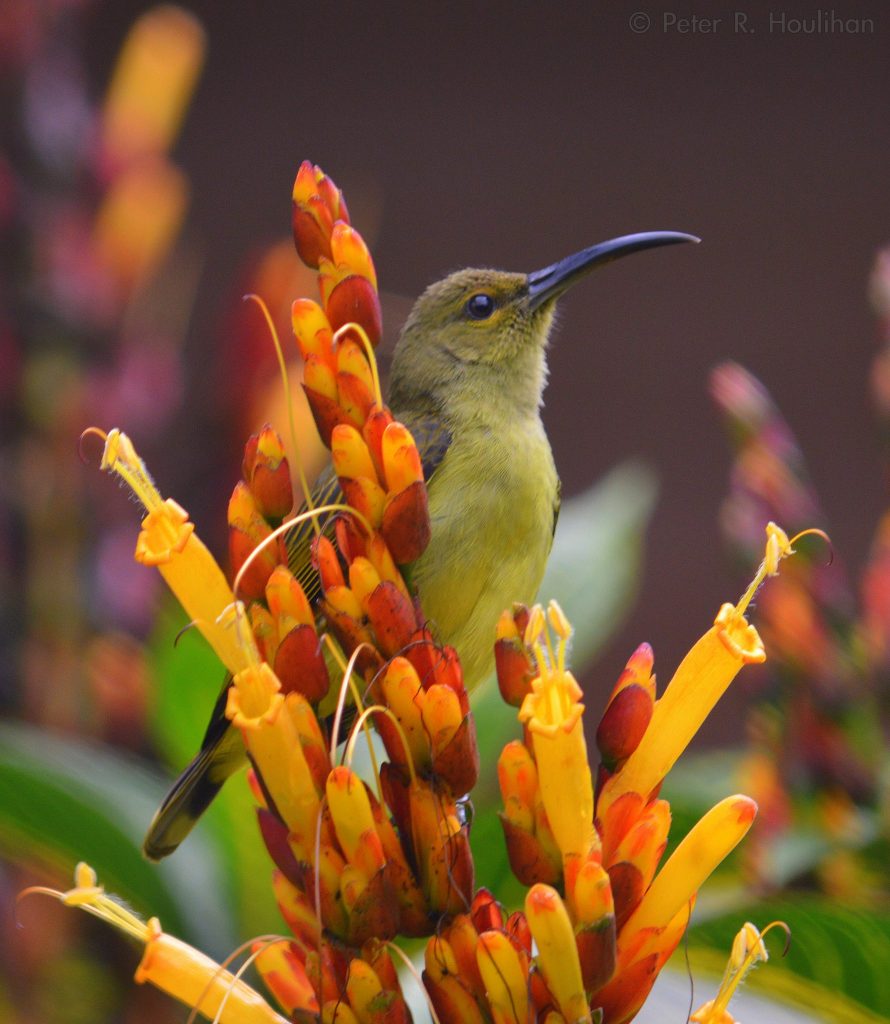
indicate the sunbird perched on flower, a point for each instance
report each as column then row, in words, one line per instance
column 468, row 375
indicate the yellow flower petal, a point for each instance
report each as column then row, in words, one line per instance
column 707, row 843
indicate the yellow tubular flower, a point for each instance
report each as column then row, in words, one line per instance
column 699, row 682
column 194, row 979
column 552, row 712
column 170, row 964
column 168, row 541
column 707, row 843
column 557, row 957
column 256, row 706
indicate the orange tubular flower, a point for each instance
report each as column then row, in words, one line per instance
column 170, row 964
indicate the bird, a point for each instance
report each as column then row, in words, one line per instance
column 467, row 379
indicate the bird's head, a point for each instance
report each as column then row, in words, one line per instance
column 477, row 332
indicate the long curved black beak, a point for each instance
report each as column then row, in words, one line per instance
column 552, row 281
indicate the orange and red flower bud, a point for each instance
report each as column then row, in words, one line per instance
column 406, row 523
column 317, row 205
column 363, row 884
column 355, row 381
column 284, row 974
column 438, row 731
column 379, row 418
column 296, row 654
column 504, row 970
column 478, row 967
column 313, row 334
column 589, row 894
column 514, row 662
column 296, row 908
column 437, row 664
column 348, row 283
column 247, row 530
column 299, row 664
column 455, row 1000
column 629, row 710
column 431, row 828
column 267, row 473
column 533, row 853
column 373, row 1000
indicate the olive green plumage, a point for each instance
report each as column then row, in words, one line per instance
column 468, row 375
column 494, row 495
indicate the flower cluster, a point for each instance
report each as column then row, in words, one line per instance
column 590, row 852
column 319, row 609
column 355, row 864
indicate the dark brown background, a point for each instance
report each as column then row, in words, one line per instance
column 512, row 134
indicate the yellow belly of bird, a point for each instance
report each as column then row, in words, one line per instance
column 492, row 509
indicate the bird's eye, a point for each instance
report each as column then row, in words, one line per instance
column 479, row 306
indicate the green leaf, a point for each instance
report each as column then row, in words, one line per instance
column 64, row 800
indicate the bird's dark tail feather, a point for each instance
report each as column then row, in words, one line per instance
column 192, row 793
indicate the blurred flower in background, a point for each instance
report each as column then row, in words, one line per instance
column 95, row 307
column 95, row 303
column 816, row 730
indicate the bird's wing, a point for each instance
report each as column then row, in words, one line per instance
column 557, row 502
column 222, row 752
